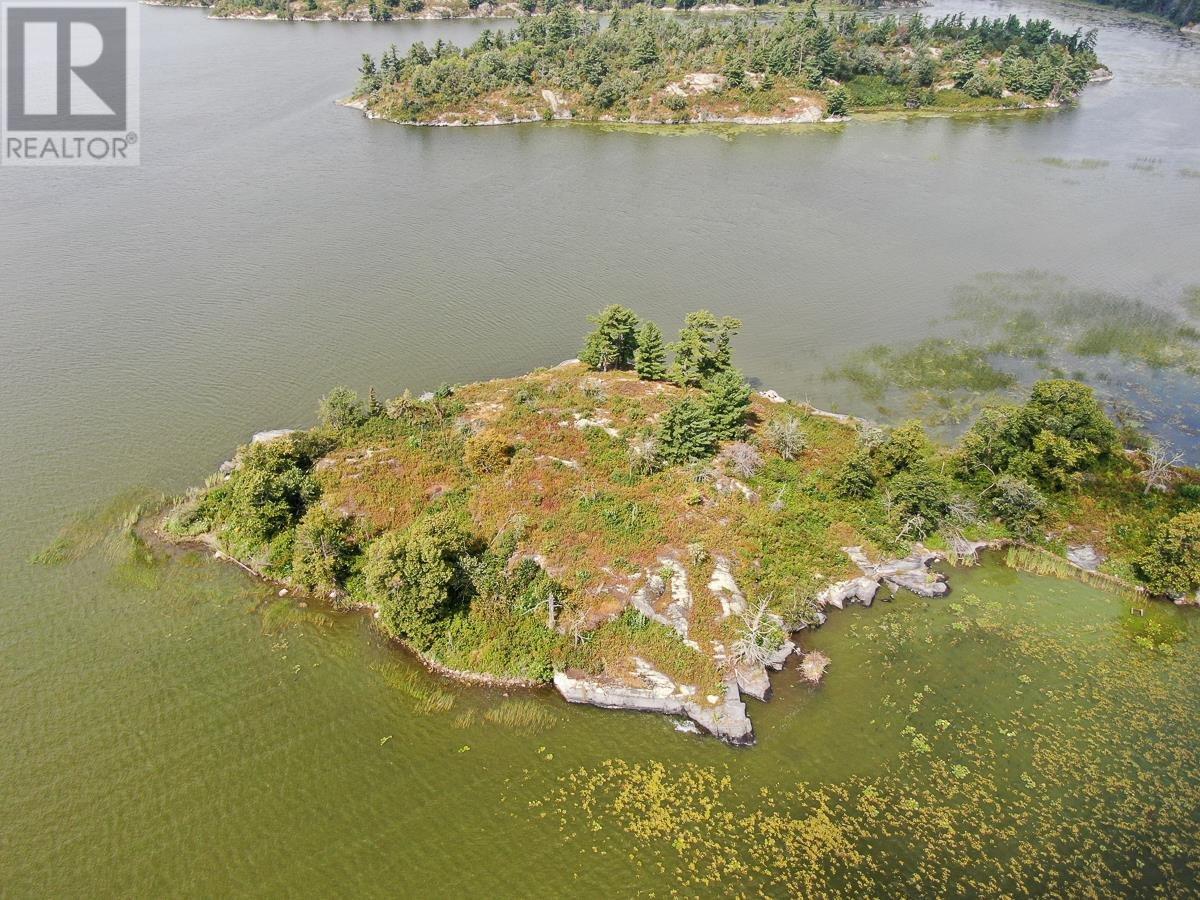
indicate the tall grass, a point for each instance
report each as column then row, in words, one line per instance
column 523, row 715
column 108, row 527
column 1036, row 561
column 415, row 684
column 284, row 613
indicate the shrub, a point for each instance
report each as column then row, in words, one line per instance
column 743, row 458
column 1172, row 563
column 904, row 448
column 920, row 498
column 264, row 495
column 487, row 452
column 786, row 437
column 1060, row 432
column 644, row 455
column 837, row 102
column 1070, row 410
column 1019, row 505
column 856, row 480
column 416, row 577
column 321, row 550
column 341, row 408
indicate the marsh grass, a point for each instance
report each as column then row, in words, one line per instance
column 1191, row 301
column 948, row 375
column 530, row 716
column 108, row 527
column 1084, row 164
column 284, row 613
column 1037, row 317
column 1037, row 561
column 415, row 684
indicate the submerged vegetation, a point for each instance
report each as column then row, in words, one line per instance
column 505, row 527
column 1012, row 326
column 643, row 66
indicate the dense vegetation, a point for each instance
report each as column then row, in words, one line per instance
column 649, row 67
column 502, row 527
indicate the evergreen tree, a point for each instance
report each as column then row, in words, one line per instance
column 703, row 348
column 685, row 433
column 727, row 403
column 650, row 359
column 837, row 102
column 613, row 344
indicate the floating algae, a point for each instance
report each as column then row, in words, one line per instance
column 1068, row 768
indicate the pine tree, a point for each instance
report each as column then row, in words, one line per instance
column 613, row 343
column 836, row 102
column 727, row 403
column 703, row 348
column 650, row 358
column 685, row 432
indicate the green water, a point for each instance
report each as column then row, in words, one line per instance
column 168, row 732
column 254, row 759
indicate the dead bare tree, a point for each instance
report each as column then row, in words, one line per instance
column 1159, row 461
column 761, row 637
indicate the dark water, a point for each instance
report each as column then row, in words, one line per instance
column 159, row 738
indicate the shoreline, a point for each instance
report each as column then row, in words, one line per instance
column 866, row 114
column 722, row 714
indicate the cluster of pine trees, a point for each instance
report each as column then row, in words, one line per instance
column 694, row 425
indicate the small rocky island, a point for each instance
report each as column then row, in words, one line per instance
column 645, row 66
column 642, row 529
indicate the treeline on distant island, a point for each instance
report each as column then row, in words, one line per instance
column 384, row 10
column 610, row 68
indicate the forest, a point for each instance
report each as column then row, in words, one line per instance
column 646, row 66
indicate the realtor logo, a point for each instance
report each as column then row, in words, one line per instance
column 70, row 92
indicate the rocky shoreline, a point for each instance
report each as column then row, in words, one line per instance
column 722, row 714
column 671, row 586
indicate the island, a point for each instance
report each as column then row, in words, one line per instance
column 645, row 67
column 388, row 10
column 642, row 529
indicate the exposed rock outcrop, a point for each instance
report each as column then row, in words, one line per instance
column 1086, row 557
column 648, row 690
column 912, row 572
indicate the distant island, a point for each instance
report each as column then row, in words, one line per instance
column 388, row 10
column 645, row 531
column 644, row 67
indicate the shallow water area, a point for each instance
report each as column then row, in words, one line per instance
column 173, row 728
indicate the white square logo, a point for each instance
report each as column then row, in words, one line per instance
column 71, row 83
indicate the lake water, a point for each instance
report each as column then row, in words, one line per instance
column 163, row 737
